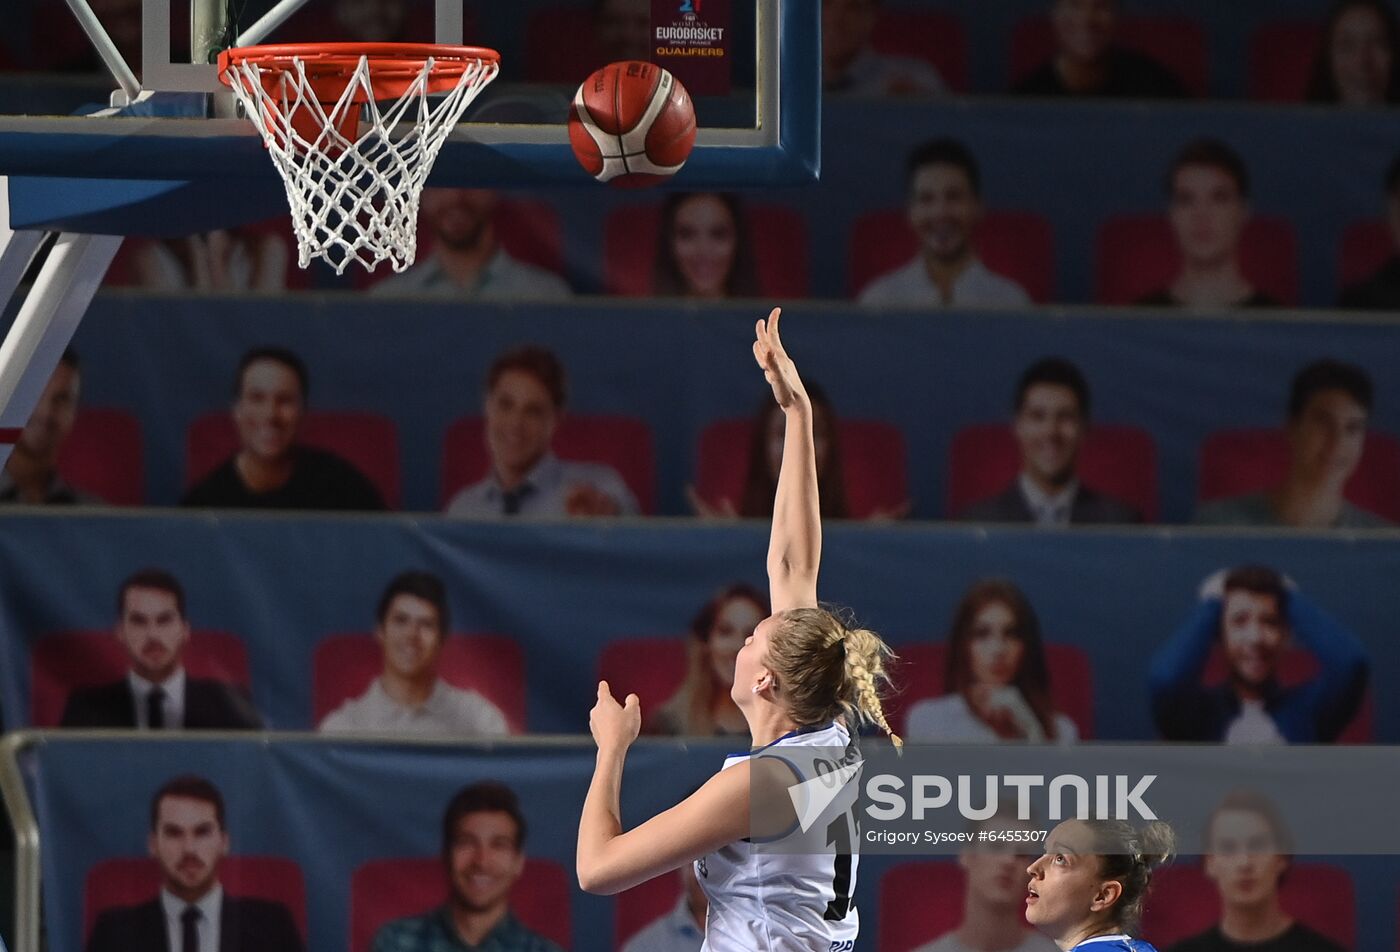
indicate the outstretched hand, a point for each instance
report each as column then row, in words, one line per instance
column 778, row 368
column 614, row 725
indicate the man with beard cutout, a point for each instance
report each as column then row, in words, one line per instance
column 192, row 913
column 156, row 693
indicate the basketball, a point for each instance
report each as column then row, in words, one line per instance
column 632, row 124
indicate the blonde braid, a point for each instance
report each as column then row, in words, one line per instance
column 865, row 672
column 826, row 667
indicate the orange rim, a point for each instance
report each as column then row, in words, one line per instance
column 389, row 63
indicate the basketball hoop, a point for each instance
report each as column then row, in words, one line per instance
column 353, row 183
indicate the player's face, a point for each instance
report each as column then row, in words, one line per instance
column 1253, row 633
column 1361, row 57
column 623, row 30
column 484, row 860
column 1208, row 214
column 943, row 211
column 1244, row 861
column 153, row 632
column 734, row 622
column 411, row 636
column 1049, row 429
column 269, row 410
column 520, row 421
column 52, row 419
column 189, row 845
column 777, row 436
column 1064, row 881
column 995, row 648
column 1328, row 437
column 996, row 873
column 460, row 217
column 749, row 663
column 846, row 27
column 1084, row 28
column 706, row 239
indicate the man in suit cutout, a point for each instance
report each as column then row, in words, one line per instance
column 192, row 913
column 1052, row 416
column 156, row 692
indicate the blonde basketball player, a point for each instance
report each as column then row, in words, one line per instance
column 802, row 679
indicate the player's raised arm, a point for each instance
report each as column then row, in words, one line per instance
column 795, row 542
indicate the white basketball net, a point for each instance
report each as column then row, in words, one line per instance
column 354, row 200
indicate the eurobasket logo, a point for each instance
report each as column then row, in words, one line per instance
column 691, row 8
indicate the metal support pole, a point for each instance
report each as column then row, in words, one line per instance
column 16, row 803
column 208, row 23
column 45, row 324
column 17, row 248
column 269, row 21
column 111, row 56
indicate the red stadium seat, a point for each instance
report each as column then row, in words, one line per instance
column 1365, row 247
column 528, row 230
column 367, row 441
column 1240, row 461
column 1019, row 245
column 639, row 906
column 1281, row 57
column 624, row 443
column 872, row 455
column 1184, row 902
column 1178, row 43
column 102, row 455
column 1118, row 460
column 130, row 881
column 937, row 38
column 1296, row 666
column 387, row 889
column 491, row 665
column 66, row 660
column 919, row 675
column 919, row 902
column 1137, row 255
column 631, row 237
column 651, row 668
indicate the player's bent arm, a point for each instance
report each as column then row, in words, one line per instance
column 610, row 860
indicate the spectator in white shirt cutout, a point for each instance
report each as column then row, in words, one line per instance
column 996, row 677
column 945, row 206
column 526, row 389
column 467, row 259
column 410, row 697
column 682, row 929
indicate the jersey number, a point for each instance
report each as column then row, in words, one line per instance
column 841, row 834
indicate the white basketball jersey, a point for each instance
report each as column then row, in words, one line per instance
column 763, row 901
